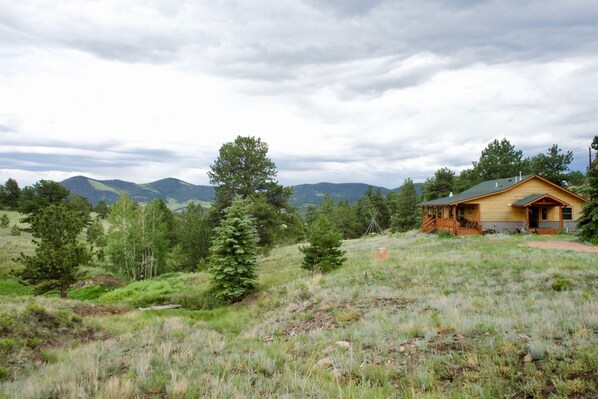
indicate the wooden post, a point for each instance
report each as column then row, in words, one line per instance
column 560, row 218
column 455, row 220
column 527, row 218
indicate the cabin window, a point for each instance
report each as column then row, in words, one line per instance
column 567, row 213
column 462, row 211
column 544, row 213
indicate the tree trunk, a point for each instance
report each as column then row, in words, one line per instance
column 63, row 288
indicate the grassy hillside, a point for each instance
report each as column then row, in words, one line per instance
column 461, row 317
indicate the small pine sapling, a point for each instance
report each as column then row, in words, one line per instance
column 15, row 231
column 323, row 252
column 4, row 221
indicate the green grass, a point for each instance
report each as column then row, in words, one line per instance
column 12, row 286
column 11, row 246
column 459, row 318
column 148, row 292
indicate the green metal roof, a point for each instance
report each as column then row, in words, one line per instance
column 479, row 190
column 528, row 199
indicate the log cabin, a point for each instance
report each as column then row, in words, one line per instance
column 515, row 204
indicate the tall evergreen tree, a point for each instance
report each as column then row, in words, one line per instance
column 382, row 214
column 588, row 222
column 345, row 220
column 408, row 213
column 441, row 185
column 244, row 169
column 233, row 254
column 81, row 206
column 41, row 195
column 58, row 253
column 9, row 194
column 553, row 166
column 500, row 159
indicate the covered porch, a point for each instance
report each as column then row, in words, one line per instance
column 458, row 219
column 543, row 213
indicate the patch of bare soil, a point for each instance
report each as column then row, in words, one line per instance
column 331, row 315
column 564, row 245
column 99, row 310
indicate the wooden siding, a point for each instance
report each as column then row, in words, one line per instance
column 496, row 208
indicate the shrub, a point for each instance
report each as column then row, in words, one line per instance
column 15, row 231
column 323, row 253
column 444, row 234
column 562, row 284
column 4, row 221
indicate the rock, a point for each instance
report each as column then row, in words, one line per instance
column 325, row 362
column 401, row 349
column 337, row 374
column 381, row 254
column 523, row 337
column 486, row 334
column 343, row 344
column 527, row 358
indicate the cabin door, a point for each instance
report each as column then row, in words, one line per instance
column 534, row 217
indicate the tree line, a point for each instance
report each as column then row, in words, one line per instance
column 251, row 214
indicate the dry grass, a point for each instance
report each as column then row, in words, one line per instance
column 465, row 317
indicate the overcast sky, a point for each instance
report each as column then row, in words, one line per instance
column 366, row 91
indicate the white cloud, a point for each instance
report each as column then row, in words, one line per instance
column 341, row 91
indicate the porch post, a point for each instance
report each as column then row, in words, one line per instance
column 527, row 217
column 455, row 220
column 560, row 218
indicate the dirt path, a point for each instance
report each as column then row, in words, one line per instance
column 572, row 246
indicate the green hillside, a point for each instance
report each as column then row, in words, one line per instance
column 469, row 317
column 177, row 193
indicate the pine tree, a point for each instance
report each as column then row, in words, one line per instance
column 233, row 254
column 323, row 252
column 244, row 169
column 407, row 216
column 4, row 220
column 588, row 222
column 58, row 253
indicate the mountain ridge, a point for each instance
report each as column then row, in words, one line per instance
column 177, row 193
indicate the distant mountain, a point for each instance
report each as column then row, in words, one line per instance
column 177, row 193
column 305, row 194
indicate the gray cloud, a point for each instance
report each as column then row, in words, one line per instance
column 282, row 41
column 80, row 158
column 355, row 52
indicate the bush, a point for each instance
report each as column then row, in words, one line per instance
column 15, row 231
column 323, row 253
column 562, row 284
column 444, row 234
column 4, row 221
